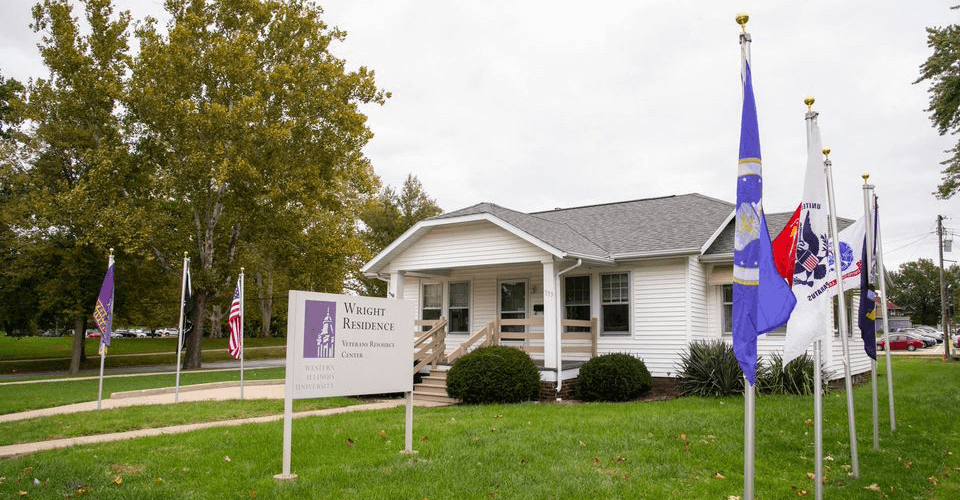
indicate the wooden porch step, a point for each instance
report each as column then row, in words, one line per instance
column 433, row 387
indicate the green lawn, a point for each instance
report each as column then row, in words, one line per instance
column 22, row 397
column 39, row 354
column 684, row 448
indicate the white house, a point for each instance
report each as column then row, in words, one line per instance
column 645, row 277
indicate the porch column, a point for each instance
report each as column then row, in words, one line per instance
column 395, row 290
column 551, row 327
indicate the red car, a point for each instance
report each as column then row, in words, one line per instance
column 902, row 342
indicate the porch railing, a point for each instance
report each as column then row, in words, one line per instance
column 429, row 347
column 582, row 342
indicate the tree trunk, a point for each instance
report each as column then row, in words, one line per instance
column 194, row 357
column 265, row 293
column 79, row 354
column 216, row 317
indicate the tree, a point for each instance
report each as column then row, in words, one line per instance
column 387, row 216
column 252, row 134
column 916, row 288
column 942, row 70
column 70, row 192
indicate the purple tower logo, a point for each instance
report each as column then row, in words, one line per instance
column 319, row 329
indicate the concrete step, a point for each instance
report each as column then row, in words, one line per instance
column 433, row 382
column 439, row 391
column 419, row 396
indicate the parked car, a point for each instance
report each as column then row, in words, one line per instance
column 122, row 332
column 93, row 334
column 902, row 341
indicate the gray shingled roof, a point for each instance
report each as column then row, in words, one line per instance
column 775, row 223
column 681, row 223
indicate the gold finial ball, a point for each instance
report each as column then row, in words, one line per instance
column 241, row 270
column 184, row 255
column 111, row 250
column 865, row 176
column 809, row 100
column 742, row 18
column 826, row 151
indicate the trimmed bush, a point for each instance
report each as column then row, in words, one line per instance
column 613, row 377
column 710, row 368
column 494, row 374
column 795, row 378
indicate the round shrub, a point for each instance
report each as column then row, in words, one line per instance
column 613, row 377
column 494, row 374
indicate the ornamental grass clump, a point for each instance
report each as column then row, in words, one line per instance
column 710, row 368
column 613, row 377
column 795, row 378
column 494, row 374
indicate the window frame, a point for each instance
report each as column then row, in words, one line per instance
column 588, row 304
column 451, row 307
column 626, row 290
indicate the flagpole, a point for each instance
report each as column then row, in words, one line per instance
column 242, row 353
column 842, row 315
column 882, row 278
column 868, row 268
column 749, row 399
column 183, row 293
column 103, row 348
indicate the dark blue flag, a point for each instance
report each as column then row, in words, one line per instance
column 867, row 313
column 762, row 299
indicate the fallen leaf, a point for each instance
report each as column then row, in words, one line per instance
column 158, row 479
column 811, row 475
column 733, row 497
column 872, row 487
column 596, row 461
column 908, row 464
column 808, row 421
column 424, row 438
column 382, row 433
column 36, row 482
column 801, row 492
column 226, row 459
column 717, row 475
column 1, row 479
column 683, row 435
column 846, row 466
column 22, row 493
column 27, row 470
column 828, row 458
column 452, row 420
column 253, row 493
column 349, row 443
column 932, row 480
column 82, row 489
column 621, row 459
column 498, row 416
column 582, row 443
column 827, row 467
column 686, row 446
column 492, row 494
column 118, row 480
column 649, row 434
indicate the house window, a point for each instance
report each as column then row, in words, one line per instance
column 851, row 314
column 615, row 303
column 726, row 312
column 576, row 300
column 432, row 302
column 726, row 302
column 459, row 307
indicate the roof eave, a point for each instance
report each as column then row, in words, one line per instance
column 658, row 254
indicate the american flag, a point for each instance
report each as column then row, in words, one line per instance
column 235, row 322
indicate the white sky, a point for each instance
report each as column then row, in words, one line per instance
column 540, row 104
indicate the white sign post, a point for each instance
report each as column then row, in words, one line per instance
column 344, row 345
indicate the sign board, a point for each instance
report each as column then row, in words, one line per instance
column 344, row 345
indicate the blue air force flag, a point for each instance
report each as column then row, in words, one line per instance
column 761, row 297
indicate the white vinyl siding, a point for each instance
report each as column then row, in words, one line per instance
column 469, row 244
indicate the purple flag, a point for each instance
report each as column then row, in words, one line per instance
column 103, row 312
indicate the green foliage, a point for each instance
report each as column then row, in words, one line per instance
column 494, row 374
column 796, row 378
column 710, row 368
column 940, row 69
column 916, row 288
column 613, row 377
column 387, row 216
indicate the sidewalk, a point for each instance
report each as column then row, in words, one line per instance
column 267, row 389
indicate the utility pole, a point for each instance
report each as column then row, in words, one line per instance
column 943, row 293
